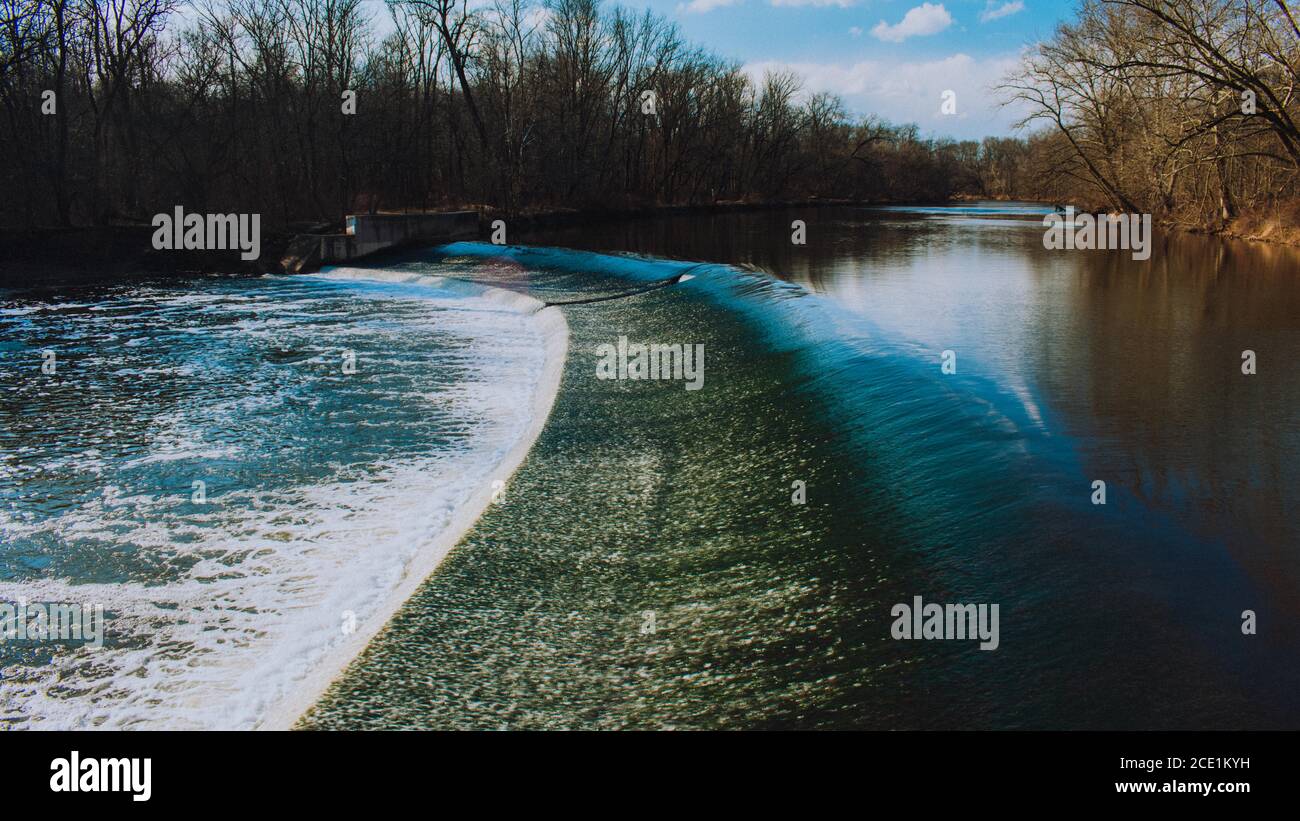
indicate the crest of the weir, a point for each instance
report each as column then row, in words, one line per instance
column 368, row 233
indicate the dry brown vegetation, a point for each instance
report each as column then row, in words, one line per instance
column 1185, row 109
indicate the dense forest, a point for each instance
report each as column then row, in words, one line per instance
column 296, row 109
column 240, row 105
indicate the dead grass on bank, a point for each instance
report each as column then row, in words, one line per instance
column 1279, row 223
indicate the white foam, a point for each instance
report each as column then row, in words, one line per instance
column 252, row 632
column 554, row 332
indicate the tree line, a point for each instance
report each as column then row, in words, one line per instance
column 1186, row 109
column 118, row 109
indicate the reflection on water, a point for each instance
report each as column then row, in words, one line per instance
column 1137, row 365
column 971, row 487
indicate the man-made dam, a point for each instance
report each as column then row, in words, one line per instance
column 368, row 233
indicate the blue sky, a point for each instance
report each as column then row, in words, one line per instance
column 893, row 58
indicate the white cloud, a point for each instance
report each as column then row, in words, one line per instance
column 997, row 13
column 703, row 6
column 924, row 19
column 855, row 31
column 912, row 92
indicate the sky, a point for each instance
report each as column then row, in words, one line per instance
column 892, row 58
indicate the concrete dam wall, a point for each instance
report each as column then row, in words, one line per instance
column 368, row 233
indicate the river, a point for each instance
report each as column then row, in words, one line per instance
column 732, row 556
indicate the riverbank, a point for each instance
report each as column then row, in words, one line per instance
column 52, row 255
column 55, row 255
column 1278, row 226
column 545, row 218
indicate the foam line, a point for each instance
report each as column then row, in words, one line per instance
column 555, row 334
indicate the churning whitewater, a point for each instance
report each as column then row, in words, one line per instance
column 248, row 476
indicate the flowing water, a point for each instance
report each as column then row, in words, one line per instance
column 334, row 428
column 648, row 566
